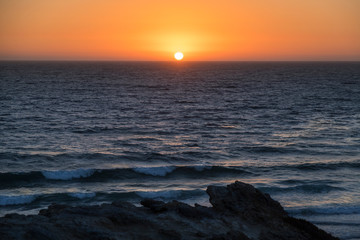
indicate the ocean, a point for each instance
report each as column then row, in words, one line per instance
column 95, row 132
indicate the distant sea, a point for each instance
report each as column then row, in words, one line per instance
column 94, row 132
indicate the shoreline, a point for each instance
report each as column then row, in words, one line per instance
column 239, row 211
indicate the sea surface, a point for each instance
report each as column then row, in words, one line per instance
column 95, row 132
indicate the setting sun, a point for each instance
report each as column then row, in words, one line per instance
column 179, row 56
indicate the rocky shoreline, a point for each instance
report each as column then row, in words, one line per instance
column 239, row 211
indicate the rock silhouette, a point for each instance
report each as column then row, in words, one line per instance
column 239, row 211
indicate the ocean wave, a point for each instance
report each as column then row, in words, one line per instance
column 9, row 178
column 82, row 195
column 306, row 188
column 191, row 170
column 45, row 199
column 159, row 194
column 306, row 181
column 68, row 174
column 9, row 200
column 16, row 200
column 99, row 129
column 155, row 171
column 50, row 156
column 265, row 149
column 17, row 158
column 12, row 179
column 280, row 150
column 311, row 166
column 201, row 168
column 314, row 150
column 321, row 166
column 324, row 210
column 165, row 170
column 170, row 194
column 329, row 223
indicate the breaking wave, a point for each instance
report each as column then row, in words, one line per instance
column 68, row 174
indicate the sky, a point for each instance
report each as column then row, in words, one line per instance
column 204, row 30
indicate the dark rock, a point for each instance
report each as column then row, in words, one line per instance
column 239, row 211
column 156, row 206
column 243, row 199
column 307, row 228
column 53, row 209
column 230, row 236
column 170, row 234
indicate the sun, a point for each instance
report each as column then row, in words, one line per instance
column 179, row 56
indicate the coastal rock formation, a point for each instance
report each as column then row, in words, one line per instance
column 239, row 211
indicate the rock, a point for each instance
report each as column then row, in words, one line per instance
column 53, row 209
column 155, row 206
column 244, row 199
column 239, row 211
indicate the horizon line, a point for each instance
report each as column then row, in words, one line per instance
column 174, row 61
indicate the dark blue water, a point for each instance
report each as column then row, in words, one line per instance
column 88, row 133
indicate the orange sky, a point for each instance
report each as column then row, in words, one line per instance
column 203, row 30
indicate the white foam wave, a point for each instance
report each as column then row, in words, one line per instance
column 16, row 200
column 159, row 194
column 68, row 174
column 82, row 195
column 155, row 171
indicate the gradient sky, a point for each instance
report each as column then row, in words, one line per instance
column 202, row 29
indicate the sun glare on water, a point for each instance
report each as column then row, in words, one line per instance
column 179, row 56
